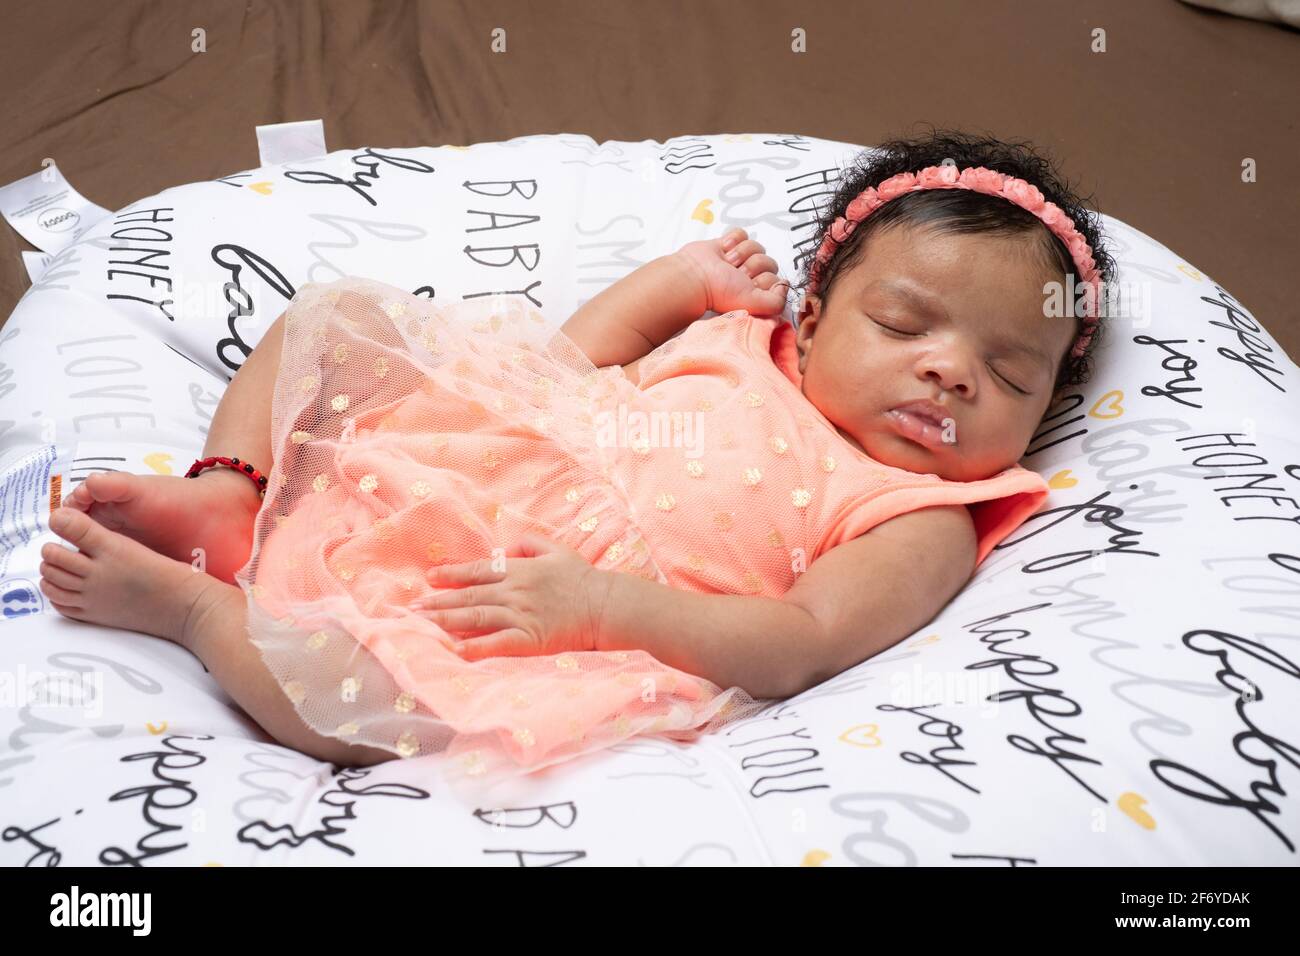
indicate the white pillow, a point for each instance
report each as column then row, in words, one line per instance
column 1079, row 702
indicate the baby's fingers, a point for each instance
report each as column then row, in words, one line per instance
column 470, row 620
column 511, row 642
column 769, row 296
column 742, row 253
column 733, row 236
column 756, row 265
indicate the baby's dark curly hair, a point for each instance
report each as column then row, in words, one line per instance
column 966, row 211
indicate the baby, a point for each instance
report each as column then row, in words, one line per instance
column 926, row 353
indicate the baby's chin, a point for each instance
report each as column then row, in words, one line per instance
column 949, row 464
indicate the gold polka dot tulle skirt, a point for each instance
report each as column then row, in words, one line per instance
column 408, row 434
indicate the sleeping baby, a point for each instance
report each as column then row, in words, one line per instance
column 423, row 528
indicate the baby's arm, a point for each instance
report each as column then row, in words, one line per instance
column 855, row 601
column 639, row 312
column 758, row 643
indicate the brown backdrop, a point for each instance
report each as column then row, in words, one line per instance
column 1156, row 127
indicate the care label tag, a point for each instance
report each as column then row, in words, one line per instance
column 290, row 142
column 36, row 263
column 46, row 211
column 31, row 489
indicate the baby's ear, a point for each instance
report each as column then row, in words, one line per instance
column 803, row 339
column 809, row 309
column 807, row 303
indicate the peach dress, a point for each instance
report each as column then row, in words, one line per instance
column 408, row 433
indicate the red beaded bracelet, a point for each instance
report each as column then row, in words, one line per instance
column 259, row 479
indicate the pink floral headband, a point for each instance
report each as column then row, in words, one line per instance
column 981, row 180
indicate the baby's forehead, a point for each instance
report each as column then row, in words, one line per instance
column 940, row 245
column 958, row 268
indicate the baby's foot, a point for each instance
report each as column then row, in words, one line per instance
column 174, row 515
column 117, row 581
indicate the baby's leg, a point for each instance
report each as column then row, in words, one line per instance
column 212, row 514
column 172, row 516
column 241, row 425
column 217, row 632
column 113, row 580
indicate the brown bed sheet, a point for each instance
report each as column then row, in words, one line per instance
column 1156, row 127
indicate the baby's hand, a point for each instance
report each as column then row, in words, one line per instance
column 542, row 599
column 736, row 273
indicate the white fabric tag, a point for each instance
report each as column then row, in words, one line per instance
column 290, row 142
column 46, row 211
column 31, row 488
column 36, row 263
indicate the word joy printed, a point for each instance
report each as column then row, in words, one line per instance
column 654, row 429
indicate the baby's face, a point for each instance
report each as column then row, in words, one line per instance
column 965, row 355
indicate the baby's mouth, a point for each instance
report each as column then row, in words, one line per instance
column 926, row 410
column 921, row 425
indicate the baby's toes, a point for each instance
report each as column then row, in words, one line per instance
column 110, row 485
column 78, row 528
column 81, row 498
column 65, row 559
column 63, row 579
column 61, row 596
column 101, row 493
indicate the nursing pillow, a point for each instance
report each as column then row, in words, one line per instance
column 1117, row 685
